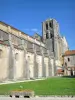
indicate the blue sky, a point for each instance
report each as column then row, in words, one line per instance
column 28, row 15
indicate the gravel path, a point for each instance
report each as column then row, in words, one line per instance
column 39, row 98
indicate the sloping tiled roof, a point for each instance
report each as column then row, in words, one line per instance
column 60, row 71
column 69, row 52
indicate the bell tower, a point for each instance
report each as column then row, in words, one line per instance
column 47, row 29
column 50, row 34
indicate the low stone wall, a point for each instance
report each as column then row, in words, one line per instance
column 22, row 93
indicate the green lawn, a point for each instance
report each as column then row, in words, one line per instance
column 50, row 86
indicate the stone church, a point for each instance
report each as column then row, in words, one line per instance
column 25, row 57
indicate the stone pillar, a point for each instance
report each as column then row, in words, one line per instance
column 25, row 64
column 52, row 66
column 27, row 68
column 49, row 67
column 49, row 64
column 55, row 67
column 35, row 62
column 43, row 66
column 43, row 69
column 56, row 53
column 11, row 60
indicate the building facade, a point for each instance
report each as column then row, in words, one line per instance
column 69, row 62
column 24, row 57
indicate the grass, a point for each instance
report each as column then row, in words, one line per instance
column 50, row 86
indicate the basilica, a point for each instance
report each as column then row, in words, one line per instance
column 24, row 57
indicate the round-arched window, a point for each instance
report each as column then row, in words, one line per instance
column 47, row 35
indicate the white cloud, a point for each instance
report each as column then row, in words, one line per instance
column 34, row 30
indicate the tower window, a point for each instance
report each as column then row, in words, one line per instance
column 51, row 35
column 47, row 36
column 52, row 45
column 68, row 59
column 46, row 26
column 50, row 24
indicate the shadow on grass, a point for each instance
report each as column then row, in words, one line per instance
column 68, row 76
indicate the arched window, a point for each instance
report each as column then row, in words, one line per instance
column 16, row 56
column 51, row 35
column 65, row 64
column 1, row 52
column 47, row 36
column 50, row 25
column 68, row 59
column 46, row 26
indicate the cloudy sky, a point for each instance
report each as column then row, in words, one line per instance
column 28, row 15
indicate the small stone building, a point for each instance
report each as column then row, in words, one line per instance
column 69, row 62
